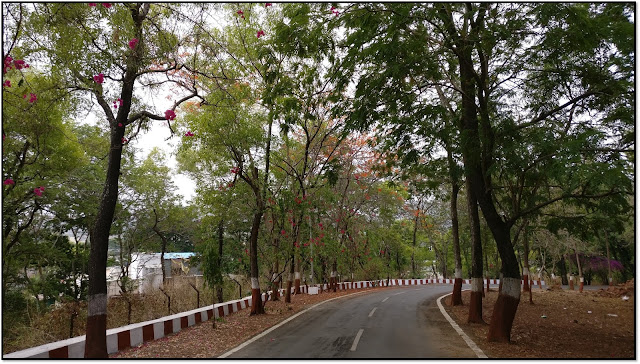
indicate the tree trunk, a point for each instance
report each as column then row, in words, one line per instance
column 274, row 281
column 297, row 275
column 562, row 267
column 334, row 275
column 219, row 262
column 486, row 261
column 606, row 243
column 287, row 297
column 525, row 263
column 256, row 300
column 475, row 305
column 579, row 271
column 414, row 242
column 456, row 297
column 96, row 328
column 477, row 158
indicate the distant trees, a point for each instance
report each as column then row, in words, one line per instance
column 367, row 142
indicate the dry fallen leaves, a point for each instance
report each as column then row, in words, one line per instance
column 567, row 331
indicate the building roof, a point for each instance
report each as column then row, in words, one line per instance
column 178, row 255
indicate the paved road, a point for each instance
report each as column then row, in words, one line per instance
column 396, row 322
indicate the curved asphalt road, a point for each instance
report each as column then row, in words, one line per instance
column 395, row 322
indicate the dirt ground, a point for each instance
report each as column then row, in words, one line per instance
column 203, row 341
column 561, row 324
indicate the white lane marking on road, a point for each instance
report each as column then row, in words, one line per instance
column 355, row 342
column 395, row 294
column 372, row 311
column 466, row 338
column 264, row 333
column 385, row 299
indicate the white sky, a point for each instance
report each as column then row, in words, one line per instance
column 156, row 137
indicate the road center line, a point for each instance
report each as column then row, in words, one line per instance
column 385, row 299
column 372, row 311
column 395, row 294
column 355, row 342
column 272, row 328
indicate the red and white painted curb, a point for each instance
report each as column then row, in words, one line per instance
column 133, row 335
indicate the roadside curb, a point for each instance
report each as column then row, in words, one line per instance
column 460, row 332
column 264, row 333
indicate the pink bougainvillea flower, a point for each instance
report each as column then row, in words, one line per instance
column 120, row 125
column 117, row 103
column 37, row 191
column 32, row 97
column 241, row 13
column 8, row 62
column 266, row 5
column 93, row 4
column 9, row 181
column 169, row 115
column 188, row 134
column 283, row 232
column 20, row 64
column 133, row 42
column 235, row 170
column 260, row 33
column 99, row 78
column 106, row 5
column 124, row 140
column 341, row 231
column 6, row 83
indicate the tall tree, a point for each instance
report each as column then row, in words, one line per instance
column 108, row 61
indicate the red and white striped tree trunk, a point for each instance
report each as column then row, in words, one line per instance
column 504, row 311
column 475, row 303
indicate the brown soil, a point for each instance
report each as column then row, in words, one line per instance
column 560, row 324
column 203, row 341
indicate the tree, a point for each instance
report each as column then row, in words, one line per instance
column 470, row 49
column 127, row 51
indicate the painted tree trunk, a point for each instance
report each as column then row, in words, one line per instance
column 297, row 275
column 525, row 279
column 487, row 275
column 581, row 286
column 504, row 311
column 571, row 286
column 257, row 307
column 297, row 283
column 274, row 285
column 477, row 292
column 475, row 303
column 96, row 329
column 540, row 280
column 477, row 158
